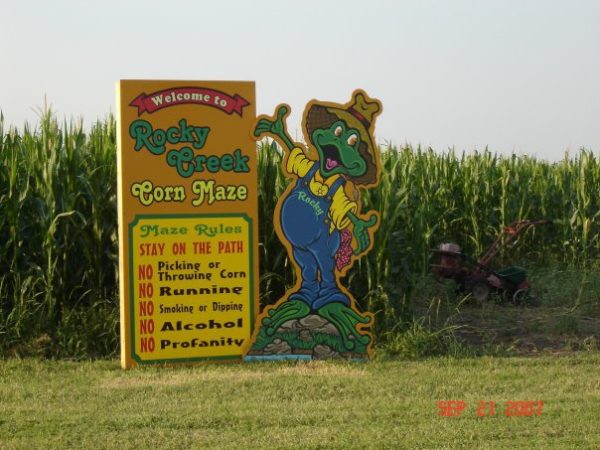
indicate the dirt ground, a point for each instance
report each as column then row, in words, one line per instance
column 562, row 316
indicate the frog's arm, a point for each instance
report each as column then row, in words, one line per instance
column 361, row 230
column 275, row 126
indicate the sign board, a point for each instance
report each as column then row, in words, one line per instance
column 188, row 221
column 320, row 221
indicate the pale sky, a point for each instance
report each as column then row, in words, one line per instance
column 516, row 75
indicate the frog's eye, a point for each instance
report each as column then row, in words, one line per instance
column 352, row 140
column 338, row 131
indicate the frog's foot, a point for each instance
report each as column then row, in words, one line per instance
column 289, row 310
column 345, row 319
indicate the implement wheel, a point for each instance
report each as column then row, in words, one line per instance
column 520, row 296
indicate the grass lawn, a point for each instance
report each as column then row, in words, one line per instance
column 383, row 404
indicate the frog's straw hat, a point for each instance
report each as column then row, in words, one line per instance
column 360, row 113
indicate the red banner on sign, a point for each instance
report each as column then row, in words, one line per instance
column 150, row 103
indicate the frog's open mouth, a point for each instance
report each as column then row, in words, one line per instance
column 331, row 154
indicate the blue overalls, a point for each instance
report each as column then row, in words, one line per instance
column 306, row 225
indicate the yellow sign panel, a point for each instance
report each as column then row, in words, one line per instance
column 188, row 221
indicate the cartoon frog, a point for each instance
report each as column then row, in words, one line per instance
column 316, row 214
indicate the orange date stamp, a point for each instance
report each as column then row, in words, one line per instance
column 519, row 408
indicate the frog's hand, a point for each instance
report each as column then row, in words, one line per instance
column 275, row 126
column 345, row 319
column 363, row 230
column 293, row 309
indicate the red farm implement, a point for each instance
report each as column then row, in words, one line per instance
column 475, row 276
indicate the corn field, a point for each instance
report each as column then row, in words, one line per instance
column 58, row 222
